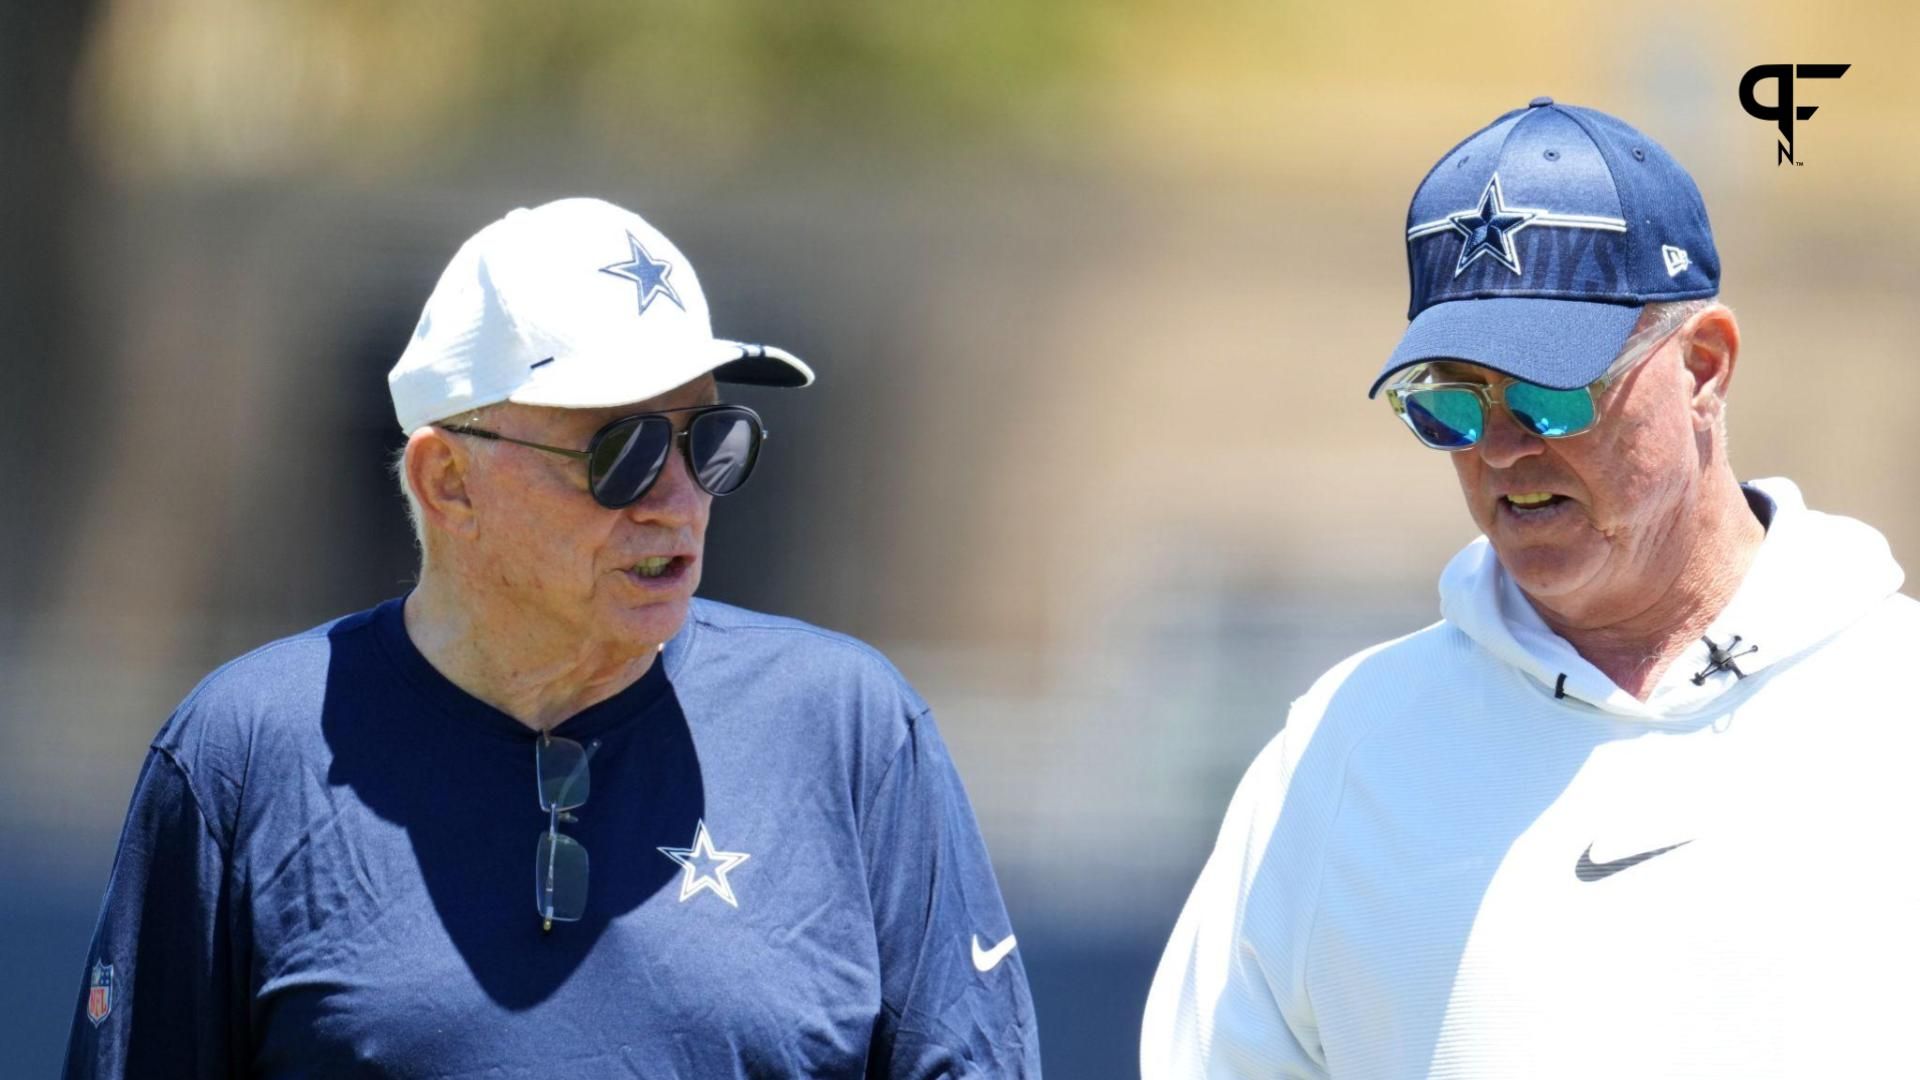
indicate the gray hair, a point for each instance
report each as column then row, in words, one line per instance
column 398, row 467
column 1663, row 317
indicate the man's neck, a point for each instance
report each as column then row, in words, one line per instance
column 539, row 680
column 1634, row 647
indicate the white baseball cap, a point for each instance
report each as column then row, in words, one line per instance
column 577, row 304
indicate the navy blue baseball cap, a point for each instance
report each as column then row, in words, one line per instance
column 1533, row 245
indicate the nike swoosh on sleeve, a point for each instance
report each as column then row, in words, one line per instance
column 985, row 960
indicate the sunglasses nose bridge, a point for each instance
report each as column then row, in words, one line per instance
column 1503, row 439
column 673, row 497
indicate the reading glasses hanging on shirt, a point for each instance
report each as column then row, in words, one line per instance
column 560, row 862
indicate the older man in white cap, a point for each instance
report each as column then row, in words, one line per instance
column 325, row 870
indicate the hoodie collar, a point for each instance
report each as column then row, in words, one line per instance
column 1814, row 575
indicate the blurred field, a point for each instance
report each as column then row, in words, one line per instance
column 1094, row 290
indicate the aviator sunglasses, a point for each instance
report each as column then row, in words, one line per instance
column 1453, row 415
column 626, row 456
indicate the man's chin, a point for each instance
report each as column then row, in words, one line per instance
column 651, row 610
column 1546, row 572
column 650, row 623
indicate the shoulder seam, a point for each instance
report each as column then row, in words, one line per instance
column 831, row 637
column 186, row 778
column 795, row 627
column 909, row 731
column 206, row 683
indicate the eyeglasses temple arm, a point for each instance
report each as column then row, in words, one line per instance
column 482, row 433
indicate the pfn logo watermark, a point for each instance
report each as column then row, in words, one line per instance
column 1782, row 111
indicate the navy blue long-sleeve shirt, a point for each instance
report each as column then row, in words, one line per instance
column 328, row 871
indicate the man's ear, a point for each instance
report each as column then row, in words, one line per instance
column 437, row 469
column 1712, row 346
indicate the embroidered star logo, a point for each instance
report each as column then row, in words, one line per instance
column 649, row 273
column 705, row 868
column 1488, row 229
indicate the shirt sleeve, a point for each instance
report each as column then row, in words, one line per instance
column 157, row 997
column 954, row 996
column 1223, row 1005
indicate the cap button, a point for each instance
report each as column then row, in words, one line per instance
column 1539, row 102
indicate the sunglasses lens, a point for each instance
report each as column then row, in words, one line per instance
column 1550, row 413
column 561, row 765
column 627, row 459
column 1444, row 419
column 723, row 445
column 560, row 877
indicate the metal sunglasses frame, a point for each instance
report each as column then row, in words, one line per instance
column 679, row 440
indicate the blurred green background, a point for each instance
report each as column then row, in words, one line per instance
column 1094, row 289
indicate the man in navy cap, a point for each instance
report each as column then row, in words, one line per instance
column 1638, row 804
column 364, row 850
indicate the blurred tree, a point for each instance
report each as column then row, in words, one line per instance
column 42, row 194
column 208, row 88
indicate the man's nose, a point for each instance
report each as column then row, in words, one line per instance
column 674, row 499
column 1504, row 441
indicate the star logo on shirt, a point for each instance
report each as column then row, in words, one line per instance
column 705, row 868
column 649, row 273
column 1488, row 229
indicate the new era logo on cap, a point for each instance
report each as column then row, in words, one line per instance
column 1676, row 259
column 574, row 304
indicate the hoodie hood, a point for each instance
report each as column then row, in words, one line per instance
column 1815, row 575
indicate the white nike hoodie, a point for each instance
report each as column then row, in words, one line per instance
column 1469, row 854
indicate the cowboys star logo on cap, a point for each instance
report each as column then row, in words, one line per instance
column 1488, row 229
column 649, row 273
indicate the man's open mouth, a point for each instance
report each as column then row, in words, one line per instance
column 659, row 567
column 1528, row 503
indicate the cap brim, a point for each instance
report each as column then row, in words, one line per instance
column 589, row 385
column 763, row 365
column 1563, row 344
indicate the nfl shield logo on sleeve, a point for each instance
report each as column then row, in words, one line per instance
column 100, row 993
